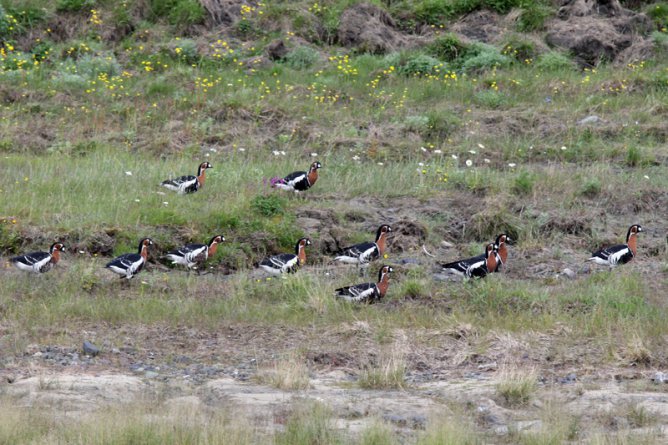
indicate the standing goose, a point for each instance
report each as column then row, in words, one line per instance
column 620, row 253
column 188, row 183
column 501, row 254
column 476, row 266
column 39, row 262
column 367, row 292
column 130, row 264
column 298, row 181
column 286, row 262
column 362, row 254
column 194, row 255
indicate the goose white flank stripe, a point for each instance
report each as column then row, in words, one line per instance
column 39, row 262
column 286, row 262
column 501, row 253
column 193, row 255
column 363, row 253
column 189, row 183
column 299, row 181
column 476, row 266
column 130, row 264
column 367, row 292
column 620, row 253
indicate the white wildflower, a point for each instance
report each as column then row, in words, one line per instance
column 438, row 152
column 423, row 149
column 487, row 161
column 136, row 200
column 472, row 152
column 276, row 152
column 563, row 147
column 481, row 146
column 455, row 157
column 242, row 149
column 313, row 155
column 646, row 177
column 469, row 162
column 356, row 158
column 380, row 163
column 421, row 164
column 128, row 173
column 165, row 202
column 512, row 165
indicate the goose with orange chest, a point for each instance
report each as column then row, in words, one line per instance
column 286, row 262
column 620, row 253
column 39, row 262
column 194, row 255
column 367, row 292
column 188, row 183
column 362, row 254
column 130, row 264
column 476, row 266
column 298, row 181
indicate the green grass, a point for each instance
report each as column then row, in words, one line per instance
column 466, row 140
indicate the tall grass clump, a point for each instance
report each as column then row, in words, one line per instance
column 388, row 373
column 448, row 431
column 515, row 387
column 289, row 373
column 310, row 423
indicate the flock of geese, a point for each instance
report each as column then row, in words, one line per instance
column 193, row 256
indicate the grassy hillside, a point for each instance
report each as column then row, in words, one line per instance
column 445, row 138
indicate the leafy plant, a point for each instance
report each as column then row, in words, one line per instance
column 533, row 16
column 553, row 61
column 523, row 184
column 302, row 57
column 269, row 205
column 74, row 5
column 447, row 48
column 421, row 65
column 481, row 57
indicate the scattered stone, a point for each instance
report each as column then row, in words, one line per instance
column 659, row 377
column 570, row 378
column 11, row 378
column 569, row 273
column 276, row 50
column 409, row 261
column 90, row 349
column 417, row 421
column 488, row 366
column 151, row 374
column 115, row 351
column 593, row 119
column 445, row 277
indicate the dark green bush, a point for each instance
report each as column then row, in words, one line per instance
column 659, row 13
column 447, row 47
column 74, row 5
column 269, row 205
column 533, row 16
column 421, row 65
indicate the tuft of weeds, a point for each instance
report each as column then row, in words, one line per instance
column 290, row 373
column 309, row 423
column 389, row 373
column 301, row 58
column 515, row 387
column 447, row 431
column 524, row 183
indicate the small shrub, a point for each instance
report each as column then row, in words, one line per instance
column 447, row 48
column 389, row 374
column 26, row 16
column 533, row 17
column 187, row 13
column 412, row 289
column 421, row 65
column 519, row 49
column 302, row 57
column 482, row 57
column 659, row 13
column 554, row 61
column 186, row 51
column 74, row 5
column 591, row 188
column 433, row 11
column 523, row 184
column 489, row 98
column 92, row 66
column 269, row 205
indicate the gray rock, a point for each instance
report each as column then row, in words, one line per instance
column 151, row 374
column 569, row 273
column 593, row 119
column 570, row 378
column 659, row 377
column 409, row 261
column 90, row 349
